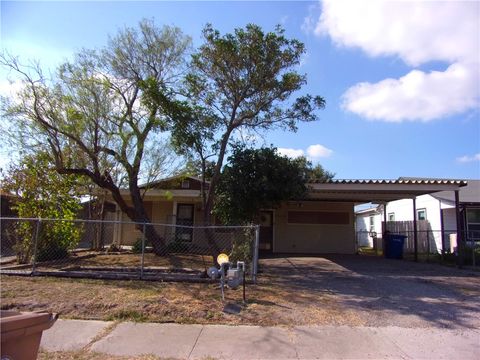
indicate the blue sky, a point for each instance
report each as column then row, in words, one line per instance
column 401, row 80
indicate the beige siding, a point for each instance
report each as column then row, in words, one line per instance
column 128, row 233
column 313, row 238
column 162, row 212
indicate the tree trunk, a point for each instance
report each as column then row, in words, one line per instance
column 140, row 217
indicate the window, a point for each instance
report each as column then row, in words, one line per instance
column 421, row 214
column 391, row 217
column 185, row 184
column 371, row 223
column 473, row 224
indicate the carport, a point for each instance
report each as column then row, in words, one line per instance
column 383, row 191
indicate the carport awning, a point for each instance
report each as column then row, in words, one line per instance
column 379, row 191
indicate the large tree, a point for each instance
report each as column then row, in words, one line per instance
column 244, row 80
column 101, row 115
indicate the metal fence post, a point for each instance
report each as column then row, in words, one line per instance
column 143, row 250
column 428, row 246
column 474, row 245
column 35, row 246
column 255, row 253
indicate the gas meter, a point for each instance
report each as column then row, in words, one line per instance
column 232, row 276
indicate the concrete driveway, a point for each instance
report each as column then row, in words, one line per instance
column 386, row 292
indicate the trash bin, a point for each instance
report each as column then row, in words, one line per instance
column 394, row 246
column 21, row 333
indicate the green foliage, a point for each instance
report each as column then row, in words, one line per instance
column 313, row 173
column 137, row 246
column 178, row 246
column 247, row 76
column 43, row 193
column 242, row 249
column 256, row 179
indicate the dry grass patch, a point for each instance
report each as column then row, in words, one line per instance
column 268, row 303
column 85, row 355
column 129, row 260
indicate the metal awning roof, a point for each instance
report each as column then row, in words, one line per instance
column 379, row 191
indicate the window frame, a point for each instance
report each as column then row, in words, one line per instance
column 424, row 210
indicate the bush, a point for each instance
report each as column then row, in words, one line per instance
column 178, row 247
column 137, row 246
column 52, row 251
column 468, row 254
column 242, row 247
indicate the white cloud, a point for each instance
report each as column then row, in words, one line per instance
column 467, row 158
column 309, row 23
column 318, row 151
column 417, row 32
column 291, row 153
column 315, row 151
column 415, row 96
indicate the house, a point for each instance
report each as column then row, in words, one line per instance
column 7, row 202
column 368, row 225
column 435, row 211
column 321, row 222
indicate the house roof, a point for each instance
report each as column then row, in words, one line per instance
column 400, row 180
column 467, row 194
column 374, row 209
column 379, row 191
column 172, row 182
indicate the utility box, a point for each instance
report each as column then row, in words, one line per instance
column 22, row 332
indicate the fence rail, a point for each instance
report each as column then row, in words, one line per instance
column 432, row 245
column 121, row 249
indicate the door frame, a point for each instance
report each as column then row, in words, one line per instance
column 192, row 206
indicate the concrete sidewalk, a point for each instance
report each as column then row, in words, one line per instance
column 253, row 342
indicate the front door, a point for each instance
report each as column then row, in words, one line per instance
column 265, row 244
column 184, row 218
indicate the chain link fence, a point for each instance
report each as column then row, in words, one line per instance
column 432, row 245
column 122, row 250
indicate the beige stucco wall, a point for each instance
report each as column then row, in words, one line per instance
column 313, row 238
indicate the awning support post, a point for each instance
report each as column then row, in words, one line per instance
column 415, row 235
column 384, row 230
column 460, row 243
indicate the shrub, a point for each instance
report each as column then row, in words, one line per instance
column 242, row 247
column 137, row 246
column 178, row 247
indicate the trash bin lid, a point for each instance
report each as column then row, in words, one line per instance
column 13, row 320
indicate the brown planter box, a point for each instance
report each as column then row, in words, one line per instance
column 22, row 332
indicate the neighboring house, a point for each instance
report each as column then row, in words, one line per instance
column 6, row 205
column 437, row 211
column 322, row 222
column 368, row 225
